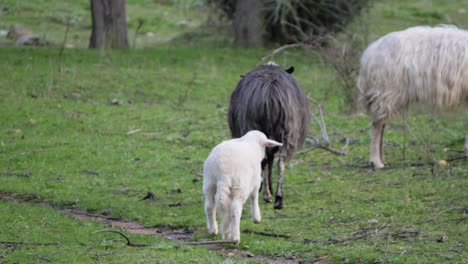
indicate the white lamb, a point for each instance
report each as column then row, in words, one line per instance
column 231, row 174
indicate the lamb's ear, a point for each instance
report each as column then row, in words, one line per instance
column 271, row 143
column 290, row 70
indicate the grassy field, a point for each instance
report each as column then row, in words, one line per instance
column 96, row 131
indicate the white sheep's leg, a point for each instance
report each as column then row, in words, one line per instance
column 466, row 145
column 210, row 211
column 279, row 190
column 236, row 213
column 382, row 156
column 376, row 146
column 254, row 208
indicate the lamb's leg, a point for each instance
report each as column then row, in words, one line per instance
column 266, row 174
column 223, row 204
column 254, row 208
column 279, row 190
column 376, row 146
column 236, row 213
column 210, row 211
column 226, row 223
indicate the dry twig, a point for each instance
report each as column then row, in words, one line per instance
column 323, row 128
column 15, row 243
column 272, row 54
column 25, row 173
column 211, row 242
column 248, row 231
column 129, row 243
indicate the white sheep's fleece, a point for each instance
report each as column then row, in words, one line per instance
column 419, row 64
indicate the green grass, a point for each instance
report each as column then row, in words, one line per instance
column 86, row 152
column 73, row 241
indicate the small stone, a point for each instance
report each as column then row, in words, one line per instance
column 32, row 122
column 372, row 221
column 75, row 95
column 114, row 102
column 442, row 163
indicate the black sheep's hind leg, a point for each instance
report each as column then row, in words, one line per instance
column 266, row 175
column 279, row 190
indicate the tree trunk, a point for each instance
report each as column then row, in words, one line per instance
column 248, row 23
column 109, row 24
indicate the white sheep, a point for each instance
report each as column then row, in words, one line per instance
column 419, row 64
column 231, row 174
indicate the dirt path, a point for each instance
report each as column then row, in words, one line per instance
column 183, row 235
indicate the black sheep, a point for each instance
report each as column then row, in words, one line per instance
column 269, row 99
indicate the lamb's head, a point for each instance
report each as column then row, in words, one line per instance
column 261, row 139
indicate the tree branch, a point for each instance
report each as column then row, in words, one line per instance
column 272, row 54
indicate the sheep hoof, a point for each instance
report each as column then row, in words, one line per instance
column 278, row 202
column 213, row 231
column 257, row 220
column 377, row 164
column 267, row 199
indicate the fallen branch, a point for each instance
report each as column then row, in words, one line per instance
column 134, row 131
column 311, row 261
column 364, row 233
column 464, row 208
column 384, row 261
column 323, row 128
column 129, row 243
column 457, row 158
column 91, row 172
column 333, row 241
column 345, row 138
column 317, row 144
column 248, row 231
column 25, row 173
column 211, row 242
column 320, row 122
column 14, row 243
column 405, row 234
